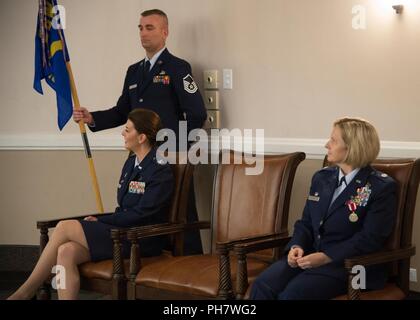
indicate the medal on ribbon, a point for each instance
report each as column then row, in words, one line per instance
column 353, row 217
column 359, row 200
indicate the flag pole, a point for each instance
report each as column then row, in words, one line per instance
column 82, row 128
column 43, row 26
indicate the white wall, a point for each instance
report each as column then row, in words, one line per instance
column 102, row 38
column 297, row 64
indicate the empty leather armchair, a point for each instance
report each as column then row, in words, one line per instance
column 245, row 208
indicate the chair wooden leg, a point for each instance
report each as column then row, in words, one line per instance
column 119, row 290
column 225, row 281
column 118, row 277
column 135, row 265
column 131, row 290
column 241, row 277
column 44, row 291
column 352, row 293
column 404, row 278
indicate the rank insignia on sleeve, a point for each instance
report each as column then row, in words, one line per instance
column 189, row 84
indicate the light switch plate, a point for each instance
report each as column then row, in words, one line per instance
column 213, row 119
column 227, row 79
column 210, row 79
column 413, row 275
column 211, row 99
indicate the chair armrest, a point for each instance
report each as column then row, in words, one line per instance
column 242, row 249
column 380, row 257
column 117, row 233
column 53, row 222
column 135, row 234
column 164, row 229
column 276, row 240
column 228, row 245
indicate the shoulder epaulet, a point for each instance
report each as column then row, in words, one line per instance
column 380, row 175
column 178, row 61
column 160, row 161
column 135, row 66
column 328, row 169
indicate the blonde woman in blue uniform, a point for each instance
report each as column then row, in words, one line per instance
column 144, row 194
column 350, row 211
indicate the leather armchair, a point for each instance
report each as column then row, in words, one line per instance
column 399, row 248
column 246, row 208
column 109, row 277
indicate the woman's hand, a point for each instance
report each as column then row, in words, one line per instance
column 294, row 254
column 313, row 260
column 91, row 218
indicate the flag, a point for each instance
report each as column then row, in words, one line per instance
column 50, row 58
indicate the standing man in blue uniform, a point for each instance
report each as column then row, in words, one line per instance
column 162, row 83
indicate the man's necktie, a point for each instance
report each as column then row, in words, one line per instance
column 146, row 69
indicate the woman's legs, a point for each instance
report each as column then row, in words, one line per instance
column 309, row 285
column 282, row 282
column 65, row 231
column 273, row 280
column 70, row 255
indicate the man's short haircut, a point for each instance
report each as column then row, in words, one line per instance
column 157, row 12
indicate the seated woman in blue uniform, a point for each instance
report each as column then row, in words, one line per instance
column 350, row 211
column 144, row 194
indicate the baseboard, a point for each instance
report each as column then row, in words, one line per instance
column 18, row 258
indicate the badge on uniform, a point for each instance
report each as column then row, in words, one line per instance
column 359, row 200
column 162, row 78
column 136, row 187
column 189, row 84
column 122, row 181
column 313, row 198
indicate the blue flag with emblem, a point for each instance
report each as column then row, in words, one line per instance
column 51, row 56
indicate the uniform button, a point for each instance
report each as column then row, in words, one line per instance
column 321, row 222
column 319, row 236
column 141, row 100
